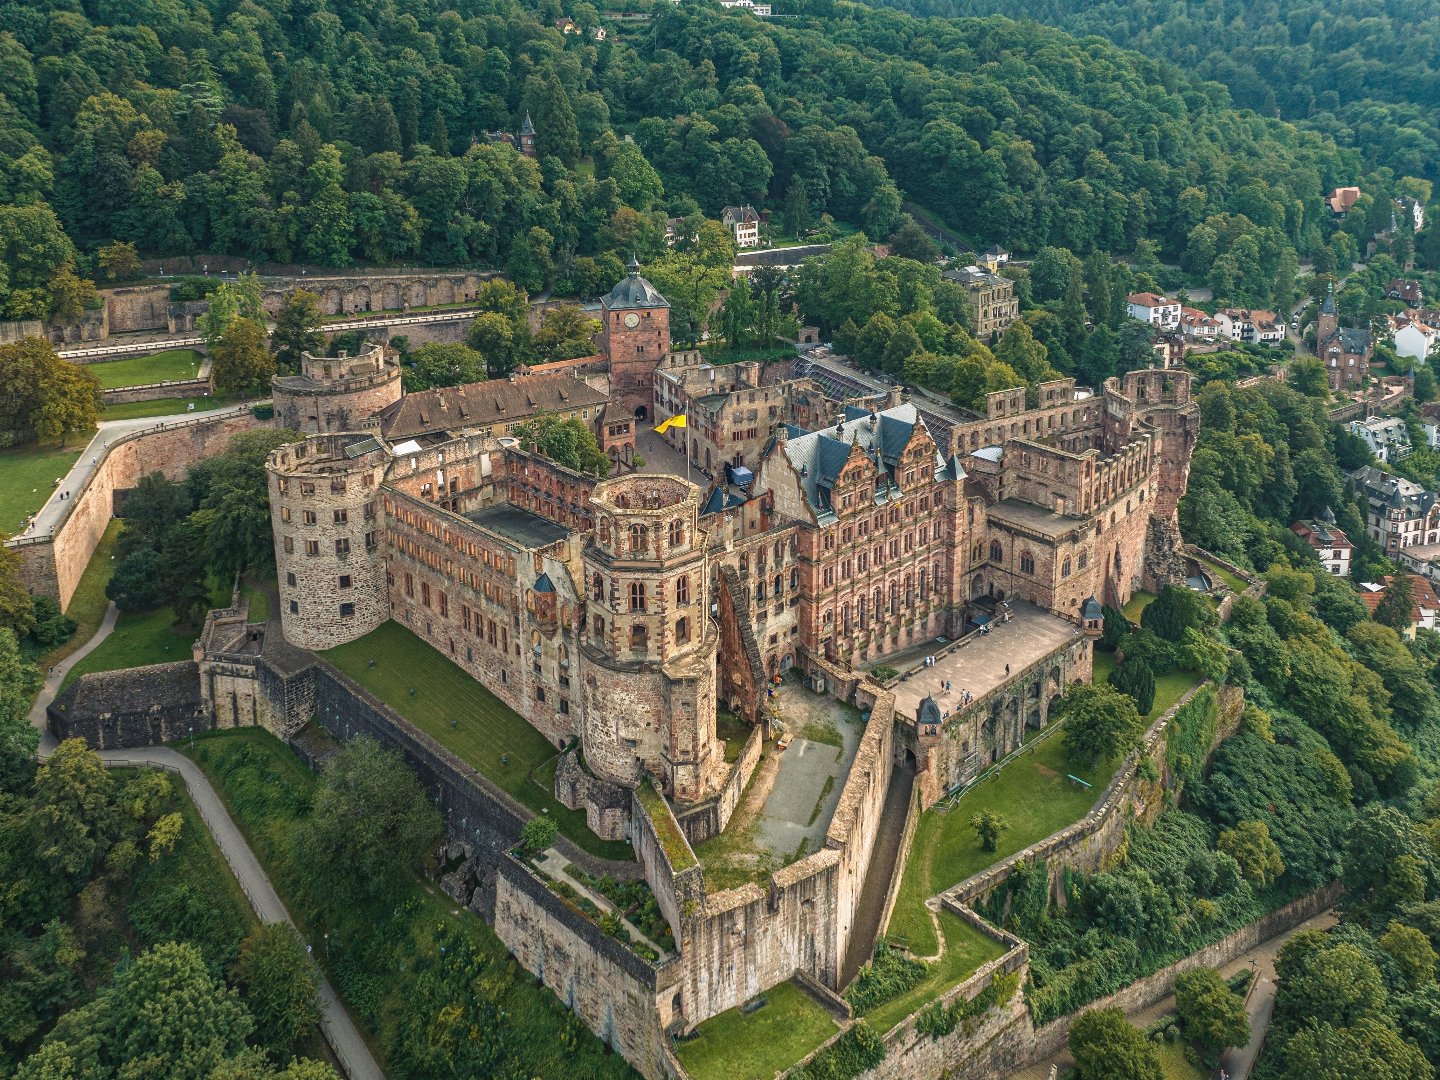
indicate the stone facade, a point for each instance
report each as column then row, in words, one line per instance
column 142, row 706
column 993, row 303
column 336, row 393
column 635, row 339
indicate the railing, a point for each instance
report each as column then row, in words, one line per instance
column 127, row 350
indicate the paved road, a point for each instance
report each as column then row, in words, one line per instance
column 108, row 431
column 340, row 1032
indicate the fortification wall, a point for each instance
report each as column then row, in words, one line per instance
column 52, row 566
column 158, row 391
column 621, row 998
column 133, row 707
column 138, row 307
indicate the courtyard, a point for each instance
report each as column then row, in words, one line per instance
column 984, row 662
column 786, row 809
column 756, row 1045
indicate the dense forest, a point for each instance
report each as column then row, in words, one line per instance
column 1364, row 73
column 331, row 133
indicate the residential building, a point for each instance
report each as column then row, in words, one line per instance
column 1158, row 311
column 1388, row 437
column 1252, row 327
column 1195, row 323
column 567, row 26
column 993, row 302
column 1345, row 351
column 1342, row 199
column 761, row 11
column 1399, row 513
column 1330, row 544
column 1407, row 292
column 994, row 258
column 1412, row 338
column 744, row 222
column 1425, row 607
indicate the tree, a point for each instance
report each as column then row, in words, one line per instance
column 568, row 442
column 231, row 300
column 17, row 608
column 295, row 329
column 1106, row 1047
column 538, row 833
column 280, row 986
column 70, row 296
column 436, row 364
column 1135, row 678
column 74, row 815
column 1250, row 845
column 1018, row 348
column 1369, row 1048
column 1306, row 374
column 19, row 682
column 239, row 362
column 1176, row 609
column 1210, row 1013
column 119, row 260
column 1397, row 606
column 1412, row 952
column 1328, row 981
column 566, row 333
column 46, row 398
column 910, row 241
column 372, row 824
column 988, row 826
column 233, row 494
column 1100, row 722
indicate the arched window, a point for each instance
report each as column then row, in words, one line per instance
column 794, row 578
column 639, row 539
column 776, row 587
column 1027, row 563
column 924, row 585
column 997, row 553
column 677, row 533
column 597, row 588
column 894, row 598
column 845, row 618
column 637, row 596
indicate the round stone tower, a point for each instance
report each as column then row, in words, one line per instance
column 647, row 660
column 336, row 393
column 326, row 514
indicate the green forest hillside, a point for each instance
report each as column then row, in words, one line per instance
column 331, row 133
column 1366, row 73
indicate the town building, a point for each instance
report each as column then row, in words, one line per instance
column 1159, row 311
column 1425, row 606
column 1412, row 338
column 1198, row 324
column 336, row 393
column 1342, row 200
column 494, row 407
column 635, row 339
column 1388, row 437
column 744, row 223
column 994, row 258
column 1399, row 513
column 761, row 11
column 1252, row 327
column 993, row 302
column 1406, row 291
column 1330, row 544
column 1345, row 351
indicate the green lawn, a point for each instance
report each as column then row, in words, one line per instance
column 755, row 1047
column 1168, row 688
column 486, row 733
column 167, row 406
column 1031, row 793
column 88, row 602
column 27, row 477
column 966, row 948
column 1138, row 602
column 1236, row 583
column 390, row 964
column 1176, row 1065
column 259, row 600
column 171, row 365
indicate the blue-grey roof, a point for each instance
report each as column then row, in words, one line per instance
column 1352, row 340
column 1328, row 306
column 633, row 291
column 990, row 453
column 929, row 711
column 544, row 584
column 720, row 499
column 1091, row 609
column 819, row 456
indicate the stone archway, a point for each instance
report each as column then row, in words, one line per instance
column 641, row 412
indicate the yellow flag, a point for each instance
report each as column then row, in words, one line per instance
column 678, row 420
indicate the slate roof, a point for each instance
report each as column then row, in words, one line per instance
column 1353, row 340
column 819, row 456
column 633, row 292
column 496, row 401
column 1386, row 489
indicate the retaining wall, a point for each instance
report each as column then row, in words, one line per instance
column 143, row 706
column 156, row 391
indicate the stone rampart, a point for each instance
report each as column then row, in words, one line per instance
column 51, row 566
column 121, row 395
column 619, row 996
column 710, row 817
column 137, row 307
column 15, row 330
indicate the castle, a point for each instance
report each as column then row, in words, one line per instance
column 1345, row 351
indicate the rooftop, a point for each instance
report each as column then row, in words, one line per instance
column 524, row 528
column 819, row 456
column 490, row 402
column 1034, row 518
column 633, row 292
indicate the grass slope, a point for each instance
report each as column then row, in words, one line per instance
column 966, row 948
column 455, row 710
column 172, row 365
column 168, row 406
column 88, row 602
column 755, row 1047
column 267, row 790
column 27, row 477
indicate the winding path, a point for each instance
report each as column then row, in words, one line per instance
column 339, row 1030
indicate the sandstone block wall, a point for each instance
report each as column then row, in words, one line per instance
column 133, row 707
column 158, row 391
column 609, row 987
column 53, row 567
column 138, row 307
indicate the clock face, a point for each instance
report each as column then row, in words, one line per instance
column 632, row 320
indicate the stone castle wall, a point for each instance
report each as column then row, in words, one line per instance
column 52, row 566
column 141, row 706
column 180, row 388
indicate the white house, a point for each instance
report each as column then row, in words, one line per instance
column 1241, row 324
column 1413, row 338
column 760, row 10
column 1195, row 323
column 744, row 222
column 1331, row 546
column 1158, row 311
column 1387, row 437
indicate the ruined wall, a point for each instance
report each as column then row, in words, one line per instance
column 158, row 391
column 140, row 706
column 14, row 330
column 138, row 307
column 608, row 986
column 742, row 672
column 52, row 567
column 710, row 817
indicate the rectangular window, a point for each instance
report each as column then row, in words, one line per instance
column 371, row 541
column 284, row 513
column 564, row 707
column 312, row 547
column 288, row 544
column 337, row 487
column 347, row 610
column 294, row 607
column 342, row 546
column 425, row 593
column 342, row 517
column 444, row 605
column 409, row 585
column 344, row 581
column 289, row 579
column 307, row 488
column 682, row 590
column 309, row 517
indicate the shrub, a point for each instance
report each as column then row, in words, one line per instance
column 886, row 977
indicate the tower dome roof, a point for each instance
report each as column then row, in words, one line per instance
column 633, row 291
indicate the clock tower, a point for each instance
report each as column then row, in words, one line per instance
column 635, row 337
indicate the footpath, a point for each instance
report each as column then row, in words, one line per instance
column 335, row 1023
